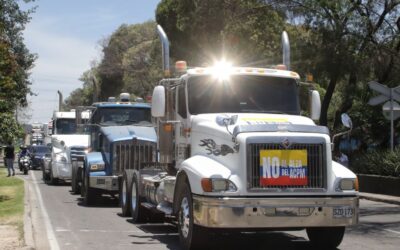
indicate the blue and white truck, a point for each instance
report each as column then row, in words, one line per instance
column 110, row 124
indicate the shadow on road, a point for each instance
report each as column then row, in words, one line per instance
column 167, row 234
column 104, row 201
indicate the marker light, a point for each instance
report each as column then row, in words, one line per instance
column 222, row 70
column 180, row 66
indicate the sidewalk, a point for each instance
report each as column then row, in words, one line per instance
column 381, row 198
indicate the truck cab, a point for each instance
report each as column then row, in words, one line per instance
column 235, row 152
column 66, row 143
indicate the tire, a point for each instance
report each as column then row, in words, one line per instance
column 52, row 179
column 325, row 237
column 124, row 194
column 137, row 211
column 190, row 235
column 75, row 188
column 89, row 194
column 25, row 171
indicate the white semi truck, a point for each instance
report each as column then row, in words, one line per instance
column 66, row 145
column 233, row 152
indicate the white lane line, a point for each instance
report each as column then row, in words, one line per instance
column 49, row 229
column 392, row 231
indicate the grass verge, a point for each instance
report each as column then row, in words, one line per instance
column 11, row 201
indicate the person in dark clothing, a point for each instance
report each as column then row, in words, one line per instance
column 9, row 158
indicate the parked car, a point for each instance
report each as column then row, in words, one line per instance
column 45, row 166
column 37, row 154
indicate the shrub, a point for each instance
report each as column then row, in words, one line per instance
column 379, row 162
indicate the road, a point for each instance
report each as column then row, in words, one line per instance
column 70, row 225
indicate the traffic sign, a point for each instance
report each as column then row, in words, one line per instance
column 386, row 91
column 386, row 110
column 391, row 109
column 378, row 100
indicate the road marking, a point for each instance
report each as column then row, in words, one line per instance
column 392, row 231
column 49, row 229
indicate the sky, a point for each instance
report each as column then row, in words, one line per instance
column 66, row 35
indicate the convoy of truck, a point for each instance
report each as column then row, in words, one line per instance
column 220, row 148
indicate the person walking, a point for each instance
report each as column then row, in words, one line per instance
column 9, row 158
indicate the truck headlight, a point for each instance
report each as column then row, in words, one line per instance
column 348, row 184
column 217, row 185
column 97, row 167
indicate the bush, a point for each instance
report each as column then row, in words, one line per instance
column 379, row 162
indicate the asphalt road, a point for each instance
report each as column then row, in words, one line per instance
column 70, row 225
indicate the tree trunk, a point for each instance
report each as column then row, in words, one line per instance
column 323, row 120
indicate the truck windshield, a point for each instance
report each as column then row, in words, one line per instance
column 121, row 116
column 65, row 126
column 243, row 94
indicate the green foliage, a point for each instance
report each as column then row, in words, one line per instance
column 379, row 162
column 128, row 63
column 9, row 128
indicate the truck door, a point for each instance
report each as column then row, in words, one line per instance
column 182, row 126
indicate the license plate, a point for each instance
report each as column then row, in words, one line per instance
column 343, row 212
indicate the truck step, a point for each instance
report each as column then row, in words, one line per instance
column 148, row 205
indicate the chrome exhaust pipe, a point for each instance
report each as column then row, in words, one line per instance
column 165, row 50
column 286, row 50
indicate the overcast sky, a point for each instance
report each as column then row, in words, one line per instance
column 65, row 35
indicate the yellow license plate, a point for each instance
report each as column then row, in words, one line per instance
column 283, row 167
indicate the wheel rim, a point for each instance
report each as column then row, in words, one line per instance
column 184, row 217
column 123, row 192
column 133, row 196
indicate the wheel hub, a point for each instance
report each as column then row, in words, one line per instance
column 133, row 196
column 184, row 217
column 123, row 192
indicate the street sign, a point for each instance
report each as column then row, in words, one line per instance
column 378, row 100
column 391, row 109
column 386, row 110
column 386, row 91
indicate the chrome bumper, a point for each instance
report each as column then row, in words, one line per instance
column 274, row 212
column 109, row 183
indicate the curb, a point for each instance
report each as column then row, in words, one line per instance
column 28, row 225
column 380, row 198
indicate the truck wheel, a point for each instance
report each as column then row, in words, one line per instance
column 89, row 194
column 74, row 178
column 138, row 212
column 325, row 237
column 190, row 235
column 124, row 195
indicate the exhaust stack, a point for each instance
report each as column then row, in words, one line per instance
column 165, row 50
column 286, row 50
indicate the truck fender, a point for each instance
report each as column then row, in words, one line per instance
column 92, row 158
column 198, row 167
column 341, row 172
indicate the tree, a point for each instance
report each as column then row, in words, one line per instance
column 127, row 56
column 15, row 63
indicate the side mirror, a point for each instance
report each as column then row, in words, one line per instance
column 315, row 105
column 158, row 102
column 346, row 120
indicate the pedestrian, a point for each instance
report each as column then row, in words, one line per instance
column 9, row 158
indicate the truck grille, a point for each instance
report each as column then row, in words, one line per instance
column 316, row 167
column 133, row 155
column 78, row 153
